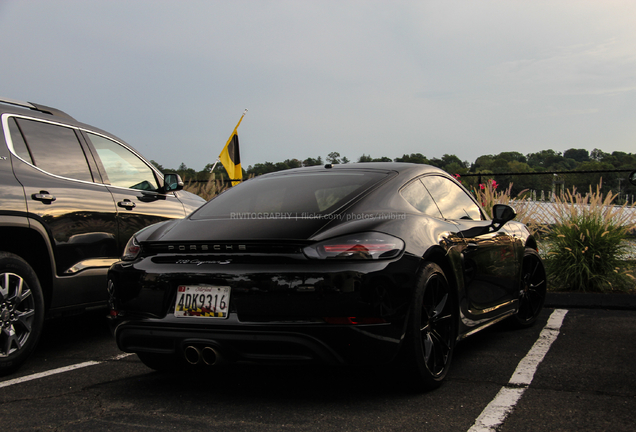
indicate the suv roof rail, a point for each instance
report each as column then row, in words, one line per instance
column 37, row 107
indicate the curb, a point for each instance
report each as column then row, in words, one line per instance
column 590, row 301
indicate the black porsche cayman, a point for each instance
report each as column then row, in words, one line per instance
column 367, row 263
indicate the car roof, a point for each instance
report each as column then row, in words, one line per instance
column 35, row 107
column 43, row 112
column 408, row 169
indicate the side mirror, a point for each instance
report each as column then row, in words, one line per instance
column 502, row 213
column 172, row 182
column 632, row 178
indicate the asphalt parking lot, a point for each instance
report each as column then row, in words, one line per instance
column 586, row 381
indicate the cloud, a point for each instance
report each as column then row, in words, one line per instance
column 356, row 77
column 587, row 69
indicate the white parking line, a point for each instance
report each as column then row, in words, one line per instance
column 498, row 409
column 57, row 371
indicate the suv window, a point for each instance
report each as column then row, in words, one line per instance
column 19, row 146
column 123, row 167
column 55, row 149
column 452, row 201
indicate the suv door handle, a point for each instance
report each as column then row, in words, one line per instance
column 127, row 204
column 44, row 196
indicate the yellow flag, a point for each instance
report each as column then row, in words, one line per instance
column 230, row 157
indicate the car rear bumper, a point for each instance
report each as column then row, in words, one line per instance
column 281, row 343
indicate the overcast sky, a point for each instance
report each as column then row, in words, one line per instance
column 382, row 78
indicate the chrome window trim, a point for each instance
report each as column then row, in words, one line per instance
column 9, row 141
column 124, row 145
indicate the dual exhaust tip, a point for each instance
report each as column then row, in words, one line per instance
column 206, row 355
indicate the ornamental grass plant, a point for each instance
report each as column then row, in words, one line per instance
column 488, row 196
column 583, row 237
column 586, row 243
column 206, row 190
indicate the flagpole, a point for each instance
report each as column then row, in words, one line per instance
column 214, row 166
column 240, row 120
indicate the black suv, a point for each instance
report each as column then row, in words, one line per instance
column 71, row 196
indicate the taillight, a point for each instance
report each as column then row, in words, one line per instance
column 368, row 245
column 132, row 249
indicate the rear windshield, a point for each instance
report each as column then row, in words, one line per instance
column 290, row 195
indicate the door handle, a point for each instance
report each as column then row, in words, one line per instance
column 127, row 204
column 44, row 196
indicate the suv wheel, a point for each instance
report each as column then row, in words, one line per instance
column 21, row 311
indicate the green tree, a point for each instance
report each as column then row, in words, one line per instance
column 333, row 158
column 367, row 158
column 546, row 159
column 262, row 168
column 598, row 155
column 186, row 173
column 436, row 162
column 455, row 168
column 579, row 155
column 158, row 166
column 312, row 161
column 499, row 165
column 483, row 163
column 512, row 157
column 293, row 163
column 452, row 159
column 418, row 158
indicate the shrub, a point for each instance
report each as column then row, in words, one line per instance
column 586, row 242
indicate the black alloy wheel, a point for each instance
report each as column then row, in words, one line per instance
column 21, row 311
column 532, row 290
column 432, row 332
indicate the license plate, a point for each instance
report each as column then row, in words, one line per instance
column 202, row 301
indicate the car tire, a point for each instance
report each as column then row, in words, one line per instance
column 159, row 362
column 432, row 331
column 532, row 290
column 21, row 312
